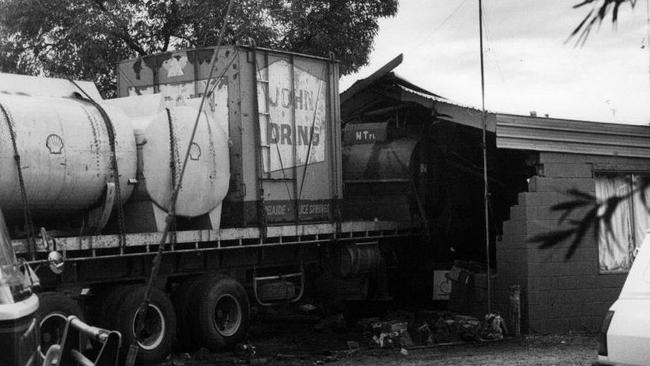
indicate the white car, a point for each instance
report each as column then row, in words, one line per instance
column 625, row 333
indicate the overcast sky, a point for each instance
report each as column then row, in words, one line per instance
column 529, row 66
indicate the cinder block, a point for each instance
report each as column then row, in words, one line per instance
column 546, row 199
column 518, row 212
column 533, row 198
column 586, row 252
column 568, row 170
column 540, row 297
column 512, row 241
column 514, row 227
column 539, row 326
column 568, row 282
column 539, row 311
column 581, row 324
column 540, row 255
column 515, row 255
column 563, row 184
column 587, row 282
column 614, row 280
column 536, row 227
column 558, row 326
column 592, row 308
column 537, row 269
column 542, row 283
column 565, row 310
column 584, row 267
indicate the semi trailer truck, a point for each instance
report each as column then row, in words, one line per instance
column 86, row 185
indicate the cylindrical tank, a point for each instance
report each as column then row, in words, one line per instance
column 163, row 140
column 355, row 259
column 65, row 154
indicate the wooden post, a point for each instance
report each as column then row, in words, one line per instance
column 515, row 310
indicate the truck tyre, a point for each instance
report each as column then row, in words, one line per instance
column 53, row 311
column 182, row 297
column 219, row 312
column 157, row 336
column 110, row 300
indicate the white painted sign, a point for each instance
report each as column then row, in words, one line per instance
column 291, row 117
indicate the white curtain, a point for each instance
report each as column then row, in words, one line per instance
column 641, row 216
column 616, row 242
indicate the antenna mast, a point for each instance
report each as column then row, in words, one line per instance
column 486, row 193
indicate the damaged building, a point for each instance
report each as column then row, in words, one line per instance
column 421, row 156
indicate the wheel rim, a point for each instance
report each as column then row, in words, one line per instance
column 227, row 315
column 152, row 333
column 51, row 329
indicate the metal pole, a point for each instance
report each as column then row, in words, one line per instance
column 486, row 193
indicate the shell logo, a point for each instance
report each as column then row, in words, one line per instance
column 195, row 151
column 54, row 144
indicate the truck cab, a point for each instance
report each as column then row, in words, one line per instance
column 18, row 306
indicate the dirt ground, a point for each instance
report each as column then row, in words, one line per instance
column 292, row 340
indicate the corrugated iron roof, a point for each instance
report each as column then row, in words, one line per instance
column 572, row 136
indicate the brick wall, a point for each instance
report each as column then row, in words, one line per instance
column 558, row 294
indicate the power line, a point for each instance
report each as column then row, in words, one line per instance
column 442, row 24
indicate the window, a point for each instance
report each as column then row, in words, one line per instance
column 629, row 224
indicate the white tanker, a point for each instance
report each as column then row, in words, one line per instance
column 65, row 147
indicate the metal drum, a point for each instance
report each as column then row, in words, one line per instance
column 356, row 259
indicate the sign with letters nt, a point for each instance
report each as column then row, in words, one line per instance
column 292, row 118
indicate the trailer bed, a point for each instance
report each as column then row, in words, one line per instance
column 87, row 247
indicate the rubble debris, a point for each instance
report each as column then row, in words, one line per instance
column 493, row 328
column 429, row 328
column 391, row 334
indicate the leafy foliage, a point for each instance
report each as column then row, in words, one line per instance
column 84, row 39
column 599, row 12
column 598, row 215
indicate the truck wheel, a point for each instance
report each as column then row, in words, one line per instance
column 159, row 327
column 53, row 311
column 182, row 298
column 219, row 312
column 110, row 300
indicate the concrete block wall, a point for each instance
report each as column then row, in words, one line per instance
column 557, row 294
